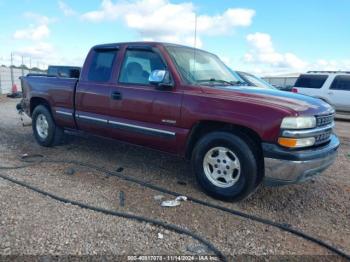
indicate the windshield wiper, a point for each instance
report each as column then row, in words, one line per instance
column 213, row 80
column 240, row 83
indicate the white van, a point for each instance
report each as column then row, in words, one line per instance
column 330, row 86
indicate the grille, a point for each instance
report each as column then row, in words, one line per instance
column 323, row 138
column 324, row 120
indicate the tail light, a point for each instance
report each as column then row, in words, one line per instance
column 295, row 90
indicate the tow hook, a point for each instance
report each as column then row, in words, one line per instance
column 20, row 110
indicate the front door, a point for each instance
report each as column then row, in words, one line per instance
column 141, row 113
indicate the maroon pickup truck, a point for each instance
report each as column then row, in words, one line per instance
column 186, row 102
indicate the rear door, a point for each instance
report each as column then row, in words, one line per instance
column 339, row 93
column 141, row 113
column 93, row 92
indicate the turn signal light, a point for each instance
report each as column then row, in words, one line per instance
column 296, row 142
column 287, row 142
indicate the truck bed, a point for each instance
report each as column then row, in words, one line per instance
column 59, row 92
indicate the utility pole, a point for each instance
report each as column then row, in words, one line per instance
column 22, row 66
column 30, row 64
column 0, row 84
column 195, row 30
column 11, row 70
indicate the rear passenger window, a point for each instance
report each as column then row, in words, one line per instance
column 138, row 65
column 101, row 66
column 341, row 83
column 311, row 81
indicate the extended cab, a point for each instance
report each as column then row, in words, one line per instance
column 185, row 101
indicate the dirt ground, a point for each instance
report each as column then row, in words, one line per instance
column 31, row 224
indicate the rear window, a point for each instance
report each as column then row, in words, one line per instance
column 341, row 83
column 52, row 71
column 64, row 71
column 101, row 66
column 311, row 81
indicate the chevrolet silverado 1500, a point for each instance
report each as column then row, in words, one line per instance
column 185, row 101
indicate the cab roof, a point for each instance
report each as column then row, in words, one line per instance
column 141, row 43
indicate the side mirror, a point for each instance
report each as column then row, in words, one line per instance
column 160, row 78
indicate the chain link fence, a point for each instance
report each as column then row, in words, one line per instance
column 10, row 76
column 15, row 66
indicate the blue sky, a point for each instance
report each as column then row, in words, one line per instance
column 264, row 37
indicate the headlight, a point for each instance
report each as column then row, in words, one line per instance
column 301, row 122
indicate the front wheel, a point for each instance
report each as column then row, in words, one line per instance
column 45, row 130
column 225, row 166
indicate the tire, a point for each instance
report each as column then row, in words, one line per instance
column 218, row 152
column 45, row 130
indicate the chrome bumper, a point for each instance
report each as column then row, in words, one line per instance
column 288, row 167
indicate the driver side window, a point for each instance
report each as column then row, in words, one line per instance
column 138, row 65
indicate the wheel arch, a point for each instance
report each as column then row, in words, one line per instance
column 35, row 101
column 251, row 137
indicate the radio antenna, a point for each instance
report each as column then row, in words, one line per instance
column 194, row 45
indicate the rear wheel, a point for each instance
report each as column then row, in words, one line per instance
column 225, row 166
column 45, row 130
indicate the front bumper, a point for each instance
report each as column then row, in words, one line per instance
column 284, row 166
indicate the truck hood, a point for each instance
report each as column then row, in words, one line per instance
column 299, row 104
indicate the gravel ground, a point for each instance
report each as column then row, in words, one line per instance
column 31, row 224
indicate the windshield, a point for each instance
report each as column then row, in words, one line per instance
column 256, row 81
column 200, row 67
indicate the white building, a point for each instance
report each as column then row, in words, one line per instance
column 284, row 80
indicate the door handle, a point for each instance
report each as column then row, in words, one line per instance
column 116, row 95
column 330, row 93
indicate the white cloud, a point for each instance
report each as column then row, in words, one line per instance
column 66, row 9
column 36, row 31
column 262, row 58
column 39, row 50
column 44, row 54
column 162, row 20
column 33, row 32
column 39, row 19
column 332, row 65
column 263, row 52
column 224, row 23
